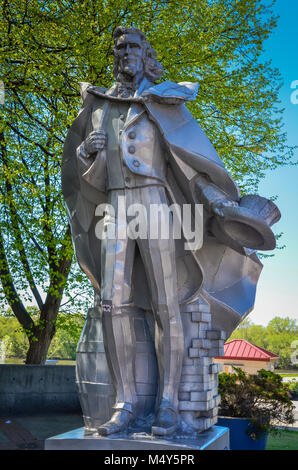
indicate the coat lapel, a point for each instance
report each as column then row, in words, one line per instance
column 136, row 109
column 134, row 112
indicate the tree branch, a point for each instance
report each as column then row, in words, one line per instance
column 10, row 292
column 16, row 230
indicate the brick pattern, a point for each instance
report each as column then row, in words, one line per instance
column 198, row 391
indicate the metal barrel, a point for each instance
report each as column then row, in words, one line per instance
column 95, row 387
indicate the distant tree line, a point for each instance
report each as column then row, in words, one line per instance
column 14, row 341
column 277, row 337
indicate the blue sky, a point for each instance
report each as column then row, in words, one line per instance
column 277, row 293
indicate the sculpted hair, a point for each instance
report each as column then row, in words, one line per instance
column 152, row 68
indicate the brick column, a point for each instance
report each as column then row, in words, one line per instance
column 198, row 391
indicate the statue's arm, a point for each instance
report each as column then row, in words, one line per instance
column 93, row 142
column 213, row 198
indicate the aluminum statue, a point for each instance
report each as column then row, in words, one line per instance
column 163, row 304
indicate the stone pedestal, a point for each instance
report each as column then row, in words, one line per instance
column 216, row 438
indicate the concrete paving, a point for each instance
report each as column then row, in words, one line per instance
column 30, row 432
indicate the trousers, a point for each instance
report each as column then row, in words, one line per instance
column 157, row 250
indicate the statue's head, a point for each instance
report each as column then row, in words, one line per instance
column 134, row 55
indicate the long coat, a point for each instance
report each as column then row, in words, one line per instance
column 225, row 278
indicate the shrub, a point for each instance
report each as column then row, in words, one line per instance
column 262, row 397
column 293, row 388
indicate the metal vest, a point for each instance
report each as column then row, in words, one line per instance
column 135, row 153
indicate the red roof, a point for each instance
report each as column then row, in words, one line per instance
column 242, row 349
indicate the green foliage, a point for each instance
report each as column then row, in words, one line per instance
column 13, row 337
column 63, row 345
column 277, row 337
column 262, row 397
column 47, row 48
column 50, row 47
column 293, row 388
column 68, row 331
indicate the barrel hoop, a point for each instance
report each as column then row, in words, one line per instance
column 90, row 346
column 99, row 388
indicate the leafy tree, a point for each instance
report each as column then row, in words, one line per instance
column 252, row 333
column 63, row 345
column 47, row 48
column 280, row 334
column 279, row 325
column 277, row 337
column 12, row 336
column 16, row 344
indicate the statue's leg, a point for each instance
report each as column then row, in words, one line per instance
column 158, row 256
column 118, row 330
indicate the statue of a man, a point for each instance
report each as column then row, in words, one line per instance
column 137, row 142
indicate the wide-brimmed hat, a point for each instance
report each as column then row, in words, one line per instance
column 247, row 225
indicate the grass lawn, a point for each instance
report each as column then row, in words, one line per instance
column 289, row 375
column 285, row 440
column 287, row 372
column 66, row 362
column 61, row 362
column 13, row 360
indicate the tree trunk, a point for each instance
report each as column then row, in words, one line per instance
column 45, row 329
column 38, row 350
column 40, row 341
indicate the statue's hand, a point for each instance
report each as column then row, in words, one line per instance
column 218, row 205
column 95, row 141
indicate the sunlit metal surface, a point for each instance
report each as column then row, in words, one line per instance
column 158, row 307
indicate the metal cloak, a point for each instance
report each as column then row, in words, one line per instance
column 224, row 277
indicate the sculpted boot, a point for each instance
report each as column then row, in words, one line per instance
column 166, row 420
column 119, row 422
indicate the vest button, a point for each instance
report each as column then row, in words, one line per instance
column 131, row 149
column 132, row 135
column 136, row 163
